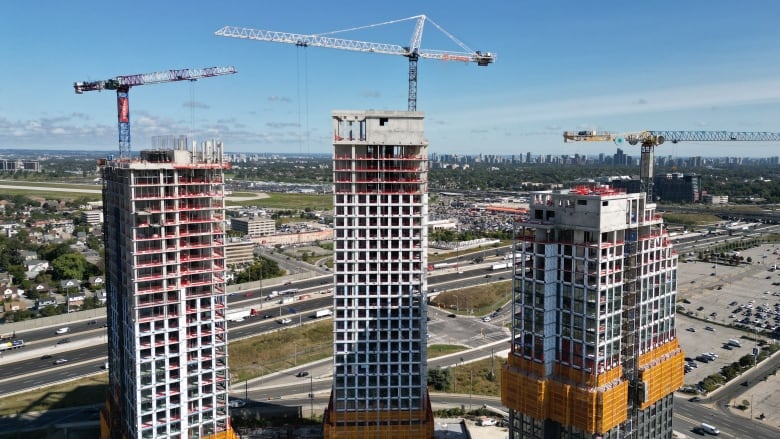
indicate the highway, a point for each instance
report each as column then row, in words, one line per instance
column 86, row 350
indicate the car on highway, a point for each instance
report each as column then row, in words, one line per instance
column 452, row 316
column 695, row 399
column 709, row 328
column 302, row 374
column 691, row 329
column 235, row 403
column 486, row 319
column 60, row 361
column 63, row 341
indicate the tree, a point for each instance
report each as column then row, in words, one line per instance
column 54, row 251
column 50, row 310
column 261, row 268
column 440, row 379
column 69, row 266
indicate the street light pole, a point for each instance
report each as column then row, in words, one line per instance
column 471, row 385
column 311, row 395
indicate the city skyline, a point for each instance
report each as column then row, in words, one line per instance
column 559, row 67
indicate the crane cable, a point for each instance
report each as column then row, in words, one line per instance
column 306, row 97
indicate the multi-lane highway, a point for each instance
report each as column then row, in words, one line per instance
column 33, row 366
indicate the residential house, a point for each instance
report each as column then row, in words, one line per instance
column 34, row 267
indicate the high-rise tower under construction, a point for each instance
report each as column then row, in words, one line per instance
column 381, row 210
column 594, row 347
column 167, row 333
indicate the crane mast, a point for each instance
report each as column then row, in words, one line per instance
column 413, row 52
column 122, row 85
column 648, row 140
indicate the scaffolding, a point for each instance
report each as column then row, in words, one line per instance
column 661, row 372
column 595, row 409
column 384, row 424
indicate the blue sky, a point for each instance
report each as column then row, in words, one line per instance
column 562, row 65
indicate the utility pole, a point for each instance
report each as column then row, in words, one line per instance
column 311, row 395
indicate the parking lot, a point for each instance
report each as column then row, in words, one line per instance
column 723, row 294
column 714, row 295
column 701, row 341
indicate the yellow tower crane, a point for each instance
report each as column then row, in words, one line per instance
column 648, row 140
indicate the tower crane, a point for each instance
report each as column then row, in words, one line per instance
column 650, row 139
column 122, row 86
column 413, row 52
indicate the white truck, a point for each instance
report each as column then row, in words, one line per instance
column 734, row 342
column 285, row 300
column 502, row 266
column 323, row 313
column 238, row 315
column 710, row 429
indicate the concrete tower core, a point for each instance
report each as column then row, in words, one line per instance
column 380, row 198
column 165, row 273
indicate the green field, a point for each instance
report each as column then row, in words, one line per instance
column 51, row 184
column 289, row 201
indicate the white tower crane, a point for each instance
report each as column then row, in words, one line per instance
column 413, row 51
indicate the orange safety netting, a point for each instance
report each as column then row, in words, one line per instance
column 663, row 378
column 409, row 424
column 572, row 401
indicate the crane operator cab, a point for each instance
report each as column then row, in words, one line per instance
column 484, row 58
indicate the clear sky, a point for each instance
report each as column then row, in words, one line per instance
column 562, row 65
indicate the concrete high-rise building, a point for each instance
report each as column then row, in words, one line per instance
column 594, row 346
column 165, row 268
column 380, row 176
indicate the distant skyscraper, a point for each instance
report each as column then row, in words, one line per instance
column 165, row 275
column 380, row 175
column 594, row 343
